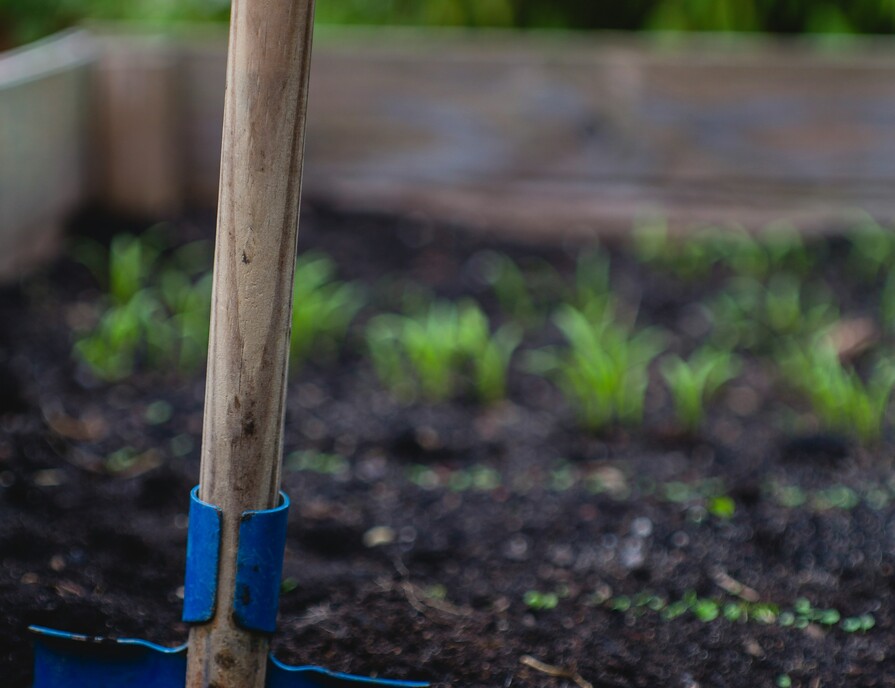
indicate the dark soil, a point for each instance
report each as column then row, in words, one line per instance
column 437, row 591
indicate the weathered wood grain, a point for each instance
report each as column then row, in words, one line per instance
column 260, row 186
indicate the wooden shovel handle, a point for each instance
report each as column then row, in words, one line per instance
column 254, row 265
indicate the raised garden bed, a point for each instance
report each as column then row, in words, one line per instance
column 515, row 542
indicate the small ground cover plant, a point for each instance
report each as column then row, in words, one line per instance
column 872, row 248
column 698, row 252
column 737, row 610
column 604, row 369
column 549, row 515
column 155, row 308
column 526, row 293
column 837, row 394
column 755, row 316
column 433, row 350
column 695, row 381
column 323, row 308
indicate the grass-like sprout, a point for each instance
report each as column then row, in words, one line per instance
column 323, row 308
column 838, row 396
column 124, row 332
column 433, row 349
column 653, row 245
column 604, row 371
column 872, row 248
column 753, row 316
column 693, row 382
column 887, row 304
column 592, row 294
column 188, row 301
column 523, row 293
column 156, row 304
column 694, row 255
column 511, row 288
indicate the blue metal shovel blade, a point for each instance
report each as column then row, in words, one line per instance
column 68, row 660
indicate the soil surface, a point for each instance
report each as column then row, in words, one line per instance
column 460, row 544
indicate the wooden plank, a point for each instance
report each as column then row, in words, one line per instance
column 138, row 129
column 583, row 131
column 44, row 146
column 541, row 132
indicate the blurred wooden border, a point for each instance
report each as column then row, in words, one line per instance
column 45, row 145
column 526, row 133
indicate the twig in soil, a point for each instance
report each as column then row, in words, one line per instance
column 422, row 602
column 734, row 587
column 555, row 671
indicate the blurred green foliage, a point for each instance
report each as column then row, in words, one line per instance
column 24, row 20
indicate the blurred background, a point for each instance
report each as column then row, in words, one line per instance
column 24, row 20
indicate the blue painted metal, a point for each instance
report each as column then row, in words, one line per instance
column 203, row 548
column 67, row 660
column 259, row 565
column 281, row 675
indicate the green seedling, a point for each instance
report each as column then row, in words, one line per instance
column 686, row 259
column 153, row 313
column 317, row 462
column 786, row 249
column 189, row 306
column 706, row 610
column 604, row 370
column 125, row 332
column 834, row 497
column 872, row 248
column 738, row 610
column 540, row 601
column 121, row 460
column 489, row 354
column 697, row 252
column 735, row 248
column 694, row 382
column 478, row 478
column 887, row 304
column 428, row 345
column 511, row 289
column 837, row 394
column 432, row 350
column 288, row 585
column 721, row 506
column 708, row 494
column 593, row 291
column 124, row 268
column 323, row 309
column 778, row 248
column 158, row 412
column 858, row 624
column 156, row 308
column 751, row 316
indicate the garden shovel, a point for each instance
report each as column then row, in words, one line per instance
column 237, row 527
